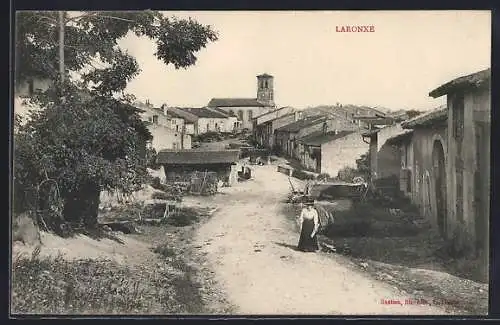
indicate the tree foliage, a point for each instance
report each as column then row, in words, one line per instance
column 91, row 140
column 412, row 113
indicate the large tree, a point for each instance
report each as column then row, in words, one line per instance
column 88, row 137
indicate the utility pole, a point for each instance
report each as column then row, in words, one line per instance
column 61, row 45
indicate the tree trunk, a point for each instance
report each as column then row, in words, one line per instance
column 61, row 45
column 82, row 206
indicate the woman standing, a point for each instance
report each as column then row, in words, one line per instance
column 309, row 225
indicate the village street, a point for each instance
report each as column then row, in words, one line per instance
column 249, row 243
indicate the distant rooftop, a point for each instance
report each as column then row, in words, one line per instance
column 273, row 111
column 235, row 102
column 300, row 124
column 318, row 138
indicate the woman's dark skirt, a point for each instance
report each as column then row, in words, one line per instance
column 306, row 243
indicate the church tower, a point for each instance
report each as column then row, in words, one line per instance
column 265, row 89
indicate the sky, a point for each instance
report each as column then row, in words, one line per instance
column 409, row 54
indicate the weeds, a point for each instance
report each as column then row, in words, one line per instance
column 164, row 251
column 53, row 285
column 183, row 217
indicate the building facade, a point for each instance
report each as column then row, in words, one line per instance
column 468, row 169
column 424, row 161
column 166, row 135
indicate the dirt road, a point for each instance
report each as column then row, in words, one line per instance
column 250, row 245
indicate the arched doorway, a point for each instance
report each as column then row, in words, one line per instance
column 439, row 171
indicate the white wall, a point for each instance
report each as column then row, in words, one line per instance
column 166, row 138
column 343, row 152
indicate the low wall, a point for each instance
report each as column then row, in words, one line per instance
column 287, row 170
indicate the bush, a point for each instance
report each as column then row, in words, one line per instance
column 164, row 196
column 300, row 174
column 164, row 250
column 183, row 217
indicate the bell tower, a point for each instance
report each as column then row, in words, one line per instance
column 265, row 89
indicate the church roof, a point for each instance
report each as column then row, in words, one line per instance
column 235, row 102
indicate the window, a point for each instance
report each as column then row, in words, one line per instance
column 250, row 114
column 240, row 115
column 177, row 128
column 208, row 127
column 155, row 119
column 174, row 145
column 231, row 112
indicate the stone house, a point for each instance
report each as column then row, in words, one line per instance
column 248, row 108
column 287, row 136
column 201, row 120
column 165, row 136
column 178, row 122
column 262, row 125
column 320, row 150
column 468, row 172
column 319, row 126
column 208, row 120
column 266, row 133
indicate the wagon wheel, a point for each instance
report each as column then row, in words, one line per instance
column 49, row 201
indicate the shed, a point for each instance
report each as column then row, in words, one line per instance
column 180, row 165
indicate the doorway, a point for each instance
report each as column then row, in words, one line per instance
column 439, row 170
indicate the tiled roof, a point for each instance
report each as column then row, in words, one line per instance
column 400, row 137
column 203, row 112
column 192, row 156
column 173, row 114
column 300, row 124
column 473, row 80
column 235, row 102
column 318, row 138
column 427, row 118
column 224, row 112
